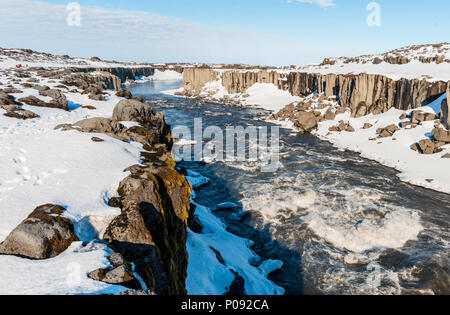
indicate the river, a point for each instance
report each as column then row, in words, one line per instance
column 340, row 223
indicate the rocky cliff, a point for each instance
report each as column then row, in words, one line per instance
column 363, row 93
column 151, row 231
column 445, row 112
column 123, row 73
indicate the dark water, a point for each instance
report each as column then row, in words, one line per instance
column 340, row 223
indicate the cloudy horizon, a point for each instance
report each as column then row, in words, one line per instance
column 156, row 32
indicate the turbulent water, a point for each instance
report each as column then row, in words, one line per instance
column 341, row 224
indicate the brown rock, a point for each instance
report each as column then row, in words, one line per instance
column 330, row 115
column 44, row 234
column 306, row 121
column 445, row 109
column 119, row 274
column 350, row 129
column 426, row 146
column 387, row 131
column 405, row 124
column 21, row 114
column 418, row 116
column 152, row 229
column 441, row 135
column 96, row 97
column 89, row 107
column 97, row 139
column 132, row 110
column 361, row 110
column 124, row 93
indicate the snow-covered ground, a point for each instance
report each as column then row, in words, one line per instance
column 423, row 170
column 428, row 171
column 167, row 75
column 264, row 95
column 412, row 70
column 418, row 169
column 9, row 58
column 208, row 276
column 40, row 165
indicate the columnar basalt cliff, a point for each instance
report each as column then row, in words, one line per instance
column 445, row 112
column 363, row 93
column 123, row 73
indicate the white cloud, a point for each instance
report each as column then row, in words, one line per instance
column 141, row 36
column 321, row 3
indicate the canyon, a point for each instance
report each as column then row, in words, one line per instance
column 362, row 93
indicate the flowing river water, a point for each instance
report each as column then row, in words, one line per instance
column 341, row 224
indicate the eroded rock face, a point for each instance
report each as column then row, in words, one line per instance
column 151, row 232
column 153, row 130
column 445, row 110
column 377, row 93
column 44, row 234
column 441, row 135
column 132, row 110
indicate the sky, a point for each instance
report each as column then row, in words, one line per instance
column 264, row 32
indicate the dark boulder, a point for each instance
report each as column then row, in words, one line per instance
column 44, row 234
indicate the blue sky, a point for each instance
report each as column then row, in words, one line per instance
column 278, row 32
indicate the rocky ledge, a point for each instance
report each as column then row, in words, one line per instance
column 149, row 236
column 151, row 232
column 44, row 234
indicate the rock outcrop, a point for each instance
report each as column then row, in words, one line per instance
column 441, row 135
column 58, row 100
column 445, row 111
column 44, row 234
column 13, row 108
column 195, row 79
column 152, row 131
column 120, row 273
column 151, row 231
column 363, row 93
column 121, row 73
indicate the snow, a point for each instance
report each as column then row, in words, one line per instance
column 196, row 179
column 207, row 276
column 40, row 165
column 423, row 170
column 129, row 124
column 412, row 70
column 62, row 275
column 262, row 95
column 168, row 75
column 268, row 96
column 415, row 69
